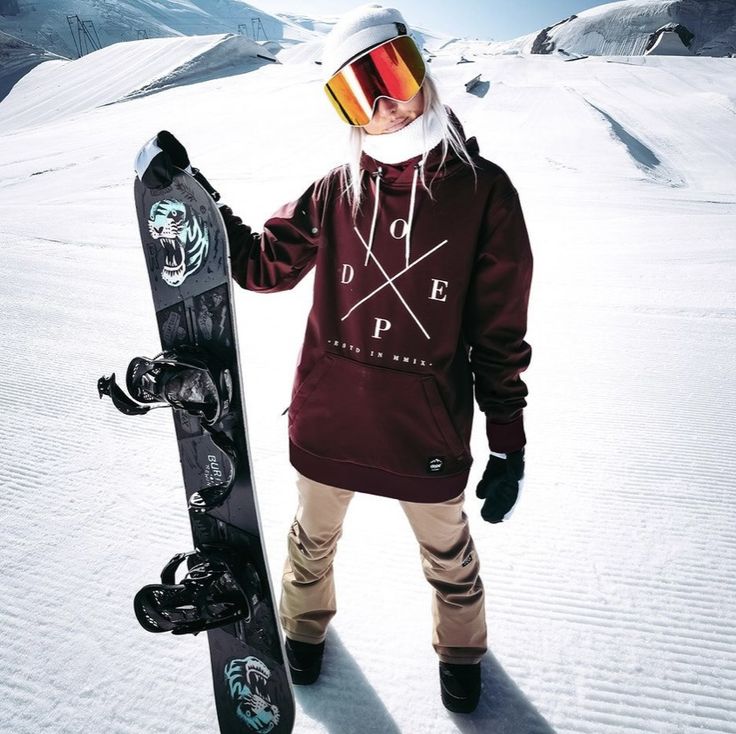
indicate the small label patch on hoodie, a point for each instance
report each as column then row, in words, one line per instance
column 435, row 464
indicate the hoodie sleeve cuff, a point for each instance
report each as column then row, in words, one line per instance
column 506, row 437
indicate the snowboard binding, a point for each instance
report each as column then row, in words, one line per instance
column 183, row 379
column 208, row 596
column 187, row 380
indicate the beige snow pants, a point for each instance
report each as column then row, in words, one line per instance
column 449, row 561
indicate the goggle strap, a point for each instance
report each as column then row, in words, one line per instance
column 400, row 27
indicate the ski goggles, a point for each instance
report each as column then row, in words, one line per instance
column 393, row 69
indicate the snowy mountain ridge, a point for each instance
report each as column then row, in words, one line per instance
column 44, row 22
column 625, row 28
column 17, row 58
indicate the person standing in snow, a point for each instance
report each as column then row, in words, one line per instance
column 423, row 271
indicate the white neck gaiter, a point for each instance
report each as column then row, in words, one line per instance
column 405, row 143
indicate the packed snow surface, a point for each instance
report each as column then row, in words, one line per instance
column 610, row 595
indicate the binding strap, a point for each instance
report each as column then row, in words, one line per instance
column 108, row 386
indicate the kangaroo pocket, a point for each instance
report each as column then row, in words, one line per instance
column 378, row 417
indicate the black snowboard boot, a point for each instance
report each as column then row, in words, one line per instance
column 305, row 661
column 460, row 685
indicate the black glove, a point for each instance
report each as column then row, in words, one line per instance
column 500, row 485
column 158, row 160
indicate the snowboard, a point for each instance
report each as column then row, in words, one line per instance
column 186, row 251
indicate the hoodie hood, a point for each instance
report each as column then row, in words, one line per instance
column 402, row 174
column 407, row 174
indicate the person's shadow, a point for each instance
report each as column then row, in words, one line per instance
column 503, row 708
column 345, row 702
column 343, row 699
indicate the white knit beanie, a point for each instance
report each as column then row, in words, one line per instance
column 359, row 30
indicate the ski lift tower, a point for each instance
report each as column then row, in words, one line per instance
column 258, row 28
column 84, row 35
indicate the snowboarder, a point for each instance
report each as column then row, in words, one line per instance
column 423, row 270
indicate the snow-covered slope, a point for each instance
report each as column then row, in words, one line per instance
column 624, row 28
column 44, row 22
column 64, row 88
column 610, row 594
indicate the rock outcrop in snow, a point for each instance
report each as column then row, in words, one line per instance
column 543, row 43
column 670, row 40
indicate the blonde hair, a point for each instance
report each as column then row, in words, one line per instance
column 351, row 172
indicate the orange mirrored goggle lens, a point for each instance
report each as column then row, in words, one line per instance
column 394, row 69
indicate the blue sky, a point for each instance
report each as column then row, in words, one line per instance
column 496, row 19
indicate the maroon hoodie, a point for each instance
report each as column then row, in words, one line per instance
column 414, row 302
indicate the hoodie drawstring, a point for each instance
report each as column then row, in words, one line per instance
column 407, row 247
column 410, row 221
column 379, row 175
